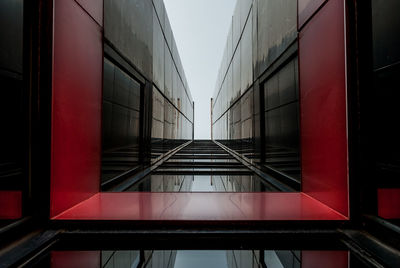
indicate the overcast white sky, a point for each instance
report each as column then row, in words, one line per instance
column 200, row 28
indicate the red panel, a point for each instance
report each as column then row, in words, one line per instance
column 75, row 259
column 10, row 205
column 200, row 207
column 94, row 8
column 389, row 203
column 76, row 122
column 323, row 107
column 325, row 259
column 306, row 9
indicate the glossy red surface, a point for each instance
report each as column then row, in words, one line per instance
column 75, row 259
column 323, row 107
column 94, row 8
column 10, row 205
column 389, row 203
column 200, row 207
column 76, row 116
column 325, row 259
column 306, row 8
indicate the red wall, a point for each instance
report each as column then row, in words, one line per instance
column 323, row 107
column 76, row 115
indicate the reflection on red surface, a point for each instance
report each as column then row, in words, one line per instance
column 76, row 116
column 389, row 203
column 76, row 131
column 325, row 259
column 10, row 205
column 200, row 207
column 92, row 259
column 306, row 9
column 323, row 107
column 75, row 259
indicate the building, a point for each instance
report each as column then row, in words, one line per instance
column 98, row 166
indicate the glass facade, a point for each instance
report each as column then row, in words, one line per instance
column 144, row 88
column 384, row 107
column 256, row 97
column 13, row 108
column 87, row 102
column 121, row 121
column 281, row 104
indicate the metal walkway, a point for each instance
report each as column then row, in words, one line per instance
column 202, row 166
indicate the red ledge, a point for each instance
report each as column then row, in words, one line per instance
column 201, row 207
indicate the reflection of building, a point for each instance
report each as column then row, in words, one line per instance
column 53, row 105
column 306, row 91
column 257, row 97
column 94, row 97
column 146, row 62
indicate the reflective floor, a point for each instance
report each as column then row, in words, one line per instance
column 202, row 183
column 115, row 162
column 202, row 166
column 282, row 160
column 339, row 258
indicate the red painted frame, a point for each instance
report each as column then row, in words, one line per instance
column 76, row 130
column 76, row 122
column 201, row 207
column 323, row 107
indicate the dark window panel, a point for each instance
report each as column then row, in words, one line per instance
column 273, row 128
column 290, row 126
column 387, row 145
column 386, row 32
column 287, row 84
column 158, row 115
column 272, row 93
column 120, row 122
column 121, row 88
column 108, row 83
column 11, row 35
column 13, row 120
column 134, row 95
column 119, row 126
column 133, row 126
column 107, row 125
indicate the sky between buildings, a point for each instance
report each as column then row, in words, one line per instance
column 200, row 29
